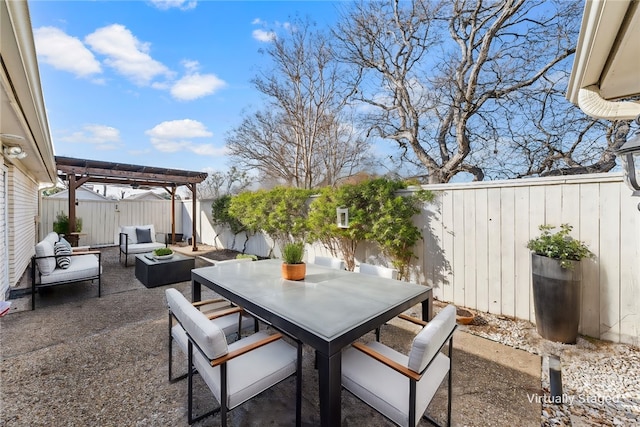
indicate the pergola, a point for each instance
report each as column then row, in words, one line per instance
column 79, row 171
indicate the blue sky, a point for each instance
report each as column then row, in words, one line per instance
column 155, row 83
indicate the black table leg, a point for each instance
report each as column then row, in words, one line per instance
column 329, row 377
column 196, row 294
column 427, row 308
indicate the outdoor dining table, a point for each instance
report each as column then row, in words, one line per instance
column 328, row 310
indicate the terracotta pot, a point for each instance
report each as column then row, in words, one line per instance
column 294, row 271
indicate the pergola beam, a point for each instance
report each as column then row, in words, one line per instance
column 80, row 171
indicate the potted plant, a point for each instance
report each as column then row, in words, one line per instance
column 61, row 224
column 293, row 268
column 557, row 277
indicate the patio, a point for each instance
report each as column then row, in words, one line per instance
column 103, row 361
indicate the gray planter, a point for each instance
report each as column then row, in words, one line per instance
column 556, row 299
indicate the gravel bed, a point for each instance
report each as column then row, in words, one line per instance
column 600, row 379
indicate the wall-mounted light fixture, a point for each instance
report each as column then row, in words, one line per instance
column 629, row 154
column 11, row 147
column 342, row 217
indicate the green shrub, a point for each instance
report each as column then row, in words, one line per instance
column 559, row 245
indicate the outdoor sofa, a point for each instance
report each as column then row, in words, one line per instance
column 55, row 263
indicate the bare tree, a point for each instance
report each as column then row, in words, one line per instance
column 218, row 184
column 303, row 137
column 447, row 80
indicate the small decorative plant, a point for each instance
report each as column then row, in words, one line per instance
column 162, row 251
column 250, row 256
column 559, row 245
column 292, row 253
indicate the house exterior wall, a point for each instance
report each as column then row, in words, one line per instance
column 22, row 214
column 4, row 234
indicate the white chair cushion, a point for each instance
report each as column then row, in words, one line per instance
column 45, row 265
column 376, row 270
column 431, row 337
column 385, row 389
column 141, row 248
column 336, row 263
column 252, row 373
column 81, row 267
column 228, row 324
column 207, row 334
column 130, row 231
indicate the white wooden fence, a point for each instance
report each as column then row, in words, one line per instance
column 101, row 220
column 474, row 251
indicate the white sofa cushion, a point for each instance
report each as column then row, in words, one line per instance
column 81, row 267
column 45, row 265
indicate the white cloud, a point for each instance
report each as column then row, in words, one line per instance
column 101, row 136
column 126, row 54
column 263, row 36
column 176, row 135
column 175, row 129
column 63, row 52
column 180, row 4
column 195, row 86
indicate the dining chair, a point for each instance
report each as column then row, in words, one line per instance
column 398, row 386
column 234, row 372
column 378, row 270
column 335, row 263
column 230, row 319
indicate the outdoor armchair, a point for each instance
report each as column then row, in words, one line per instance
column 401, row 387
column 233, row 372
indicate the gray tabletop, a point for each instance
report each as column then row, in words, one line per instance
column 327, row 303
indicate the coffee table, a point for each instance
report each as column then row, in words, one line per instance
column 154, row 272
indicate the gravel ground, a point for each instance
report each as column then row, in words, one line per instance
column 600, row 379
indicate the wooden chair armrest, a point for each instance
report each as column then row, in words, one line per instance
column 386, row 361
column 413, row 319
column 208, row 301
column 245, row 349
column 83, row 253
column 224, row 312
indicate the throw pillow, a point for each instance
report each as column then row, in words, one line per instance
column 61, row 249
column 143, row 235
column 67, row 244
